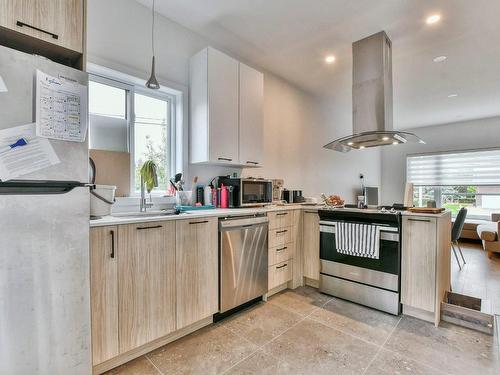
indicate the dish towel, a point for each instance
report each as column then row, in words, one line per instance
column 361, row 240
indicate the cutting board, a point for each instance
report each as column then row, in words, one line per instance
column 426, row 210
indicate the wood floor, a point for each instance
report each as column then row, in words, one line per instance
column 480, row 277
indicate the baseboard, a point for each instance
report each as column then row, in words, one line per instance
column 146, row 348
column 275, row 290
column 311, row 282
column 419, row 313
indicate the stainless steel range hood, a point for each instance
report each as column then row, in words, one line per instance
column 372, row 97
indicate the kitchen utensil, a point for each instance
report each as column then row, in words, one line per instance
column 184, row 198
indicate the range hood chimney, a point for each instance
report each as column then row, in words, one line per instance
column 372, row 97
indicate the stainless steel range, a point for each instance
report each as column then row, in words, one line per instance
column 367, row 281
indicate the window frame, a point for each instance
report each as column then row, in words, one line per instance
column 131, row 89
column 172, row 136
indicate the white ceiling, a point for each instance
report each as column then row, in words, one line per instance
column 291, row 38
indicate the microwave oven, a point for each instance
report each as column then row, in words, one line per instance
column 249, row 191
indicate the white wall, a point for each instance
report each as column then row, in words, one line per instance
column 296, row 124
column 465, row 135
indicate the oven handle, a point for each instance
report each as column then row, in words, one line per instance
column 384, row 234
column 383, row 228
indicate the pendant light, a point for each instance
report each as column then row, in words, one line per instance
column 152, row 82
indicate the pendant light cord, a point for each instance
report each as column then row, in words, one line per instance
column 153, row 30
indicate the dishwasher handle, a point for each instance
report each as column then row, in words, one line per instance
column 245, row 223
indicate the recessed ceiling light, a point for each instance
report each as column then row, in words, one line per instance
column 361, row 147
column 385, row 138
column 452, row 95
column 433, row 19
column 395, row 143
column 350, row 143
column 330, row 59
column 439, row 59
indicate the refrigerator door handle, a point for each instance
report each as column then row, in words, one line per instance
column 39, row 187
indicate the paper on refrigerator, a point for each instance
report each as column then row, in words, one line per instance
column 61, row 108
column 19, row 161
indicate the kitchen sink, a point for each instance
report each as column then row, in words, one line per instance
column 147, row 214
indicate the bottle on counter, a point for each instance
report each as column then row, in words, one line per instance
column 207, row 195
column 218, row 197
column 231, row 196
column 199, row 196
column 214, row 197
column 224, row 197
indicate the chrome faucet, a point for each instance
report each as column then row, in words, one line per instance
column 144, row 203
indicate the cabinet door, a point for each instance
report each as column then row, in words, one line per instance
column 310, row 242
column 55, row 21
column 146, row 279
column 223, row 107
column 196, row 270
column 418, row 262
column 251, row 136
column 104, row 293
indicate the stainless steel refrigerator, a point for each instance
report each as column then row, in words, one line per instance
column 44, row 241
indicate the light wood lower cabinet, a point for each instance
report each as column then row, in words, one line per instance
column 104, row 293
column 310, row 246
column 279, row 274
column 150, row 282
column 196, row 270
column 425, row 265
column 418, row 262
column 283, row 237
column 146, row 282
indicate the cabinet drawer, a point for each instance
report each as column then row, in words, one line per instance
column 280, row 219
column 280, row 237
column 279, row 274
column 281, row 253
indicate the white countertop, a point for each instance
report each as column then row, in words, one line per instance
column 217, row 212
column 226, row 212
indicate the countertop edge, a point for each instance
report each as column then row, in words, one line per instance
column 230, row 212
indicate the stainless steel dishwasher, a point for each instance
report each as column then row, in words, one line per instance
column 242, row 260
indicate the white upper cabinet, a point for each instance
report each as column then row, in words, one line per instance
column 251, row 116
column 225, row 110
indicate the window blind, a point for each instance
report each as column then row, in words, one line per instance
column 454, row 168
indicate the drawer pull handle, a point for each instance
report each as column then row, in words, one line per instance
column 112, row 233
column 281, row 231
column 310, row 212
column 423, row 220
column 281, row 249
column 225, row 159
column 282, row 214
column 284, row 265
column 21, row 24
column 153, row 227
column 198, row 222
column 252, row 162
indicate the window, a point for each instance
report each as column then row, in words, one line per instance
column 152, row 137
column 129, row 118
column 453, row 180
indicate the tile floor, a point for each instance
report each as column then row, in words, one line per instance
column 306, row 332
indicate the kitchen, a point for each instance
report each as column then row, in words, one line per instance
column 116, row 322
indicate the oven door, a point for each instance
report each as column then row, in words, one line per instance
column 382, row 272
column 254, row 192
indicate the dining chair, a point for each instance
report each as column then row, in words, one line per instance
column 456, row 231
